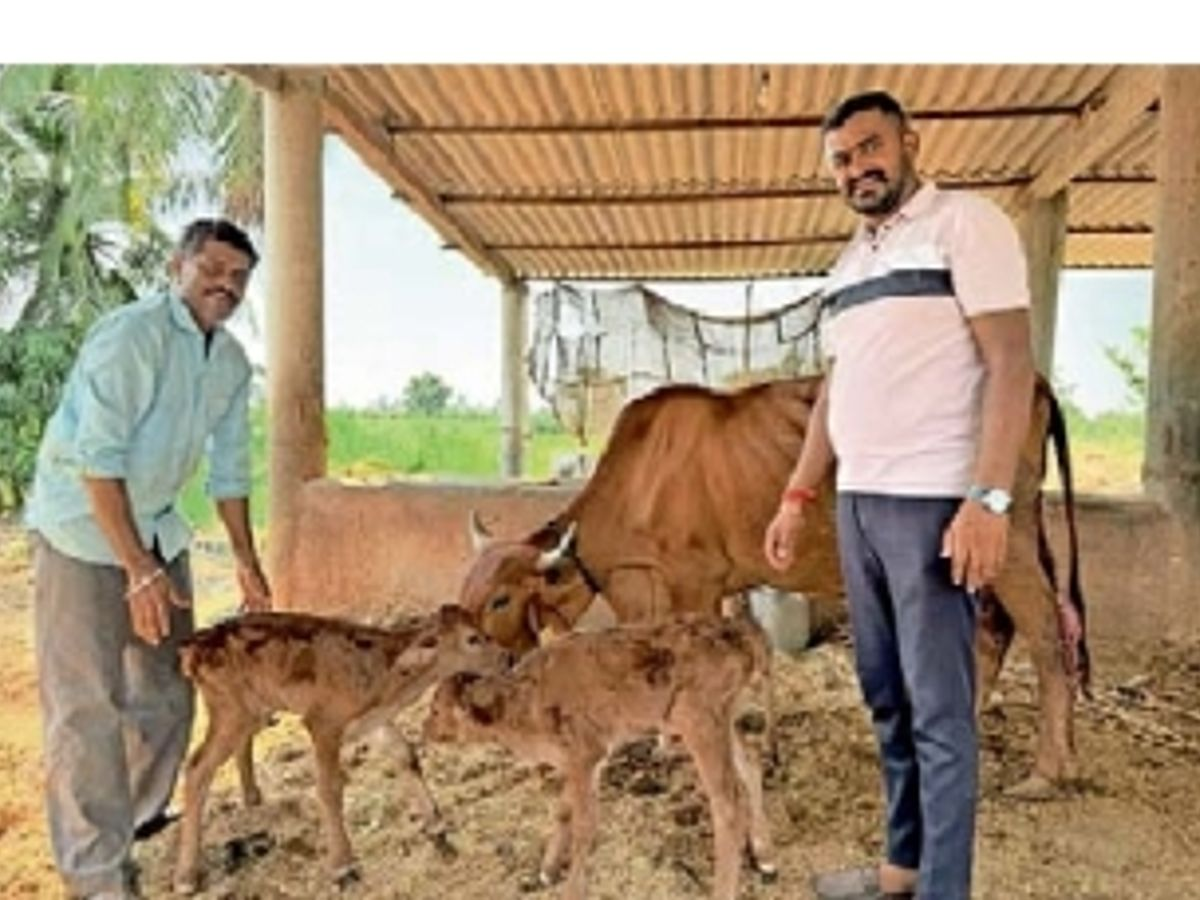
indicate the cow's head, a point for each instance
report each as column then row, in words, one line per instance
column 516, row 590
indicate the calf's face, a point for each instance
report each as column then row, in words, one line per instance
column 449, row 644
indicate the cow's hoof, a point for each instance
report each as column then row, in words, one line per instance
column 768, row 872
column 539, row 881
column 441, row 843
column 346, row 877
column 252, row 799
column 186, row 884
column 1034, row 789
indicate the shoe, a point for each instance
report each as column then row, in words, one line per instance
column 854, row 884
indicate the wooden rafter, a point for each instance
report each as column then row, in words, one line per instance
column 371, row 142
column 1106, row 120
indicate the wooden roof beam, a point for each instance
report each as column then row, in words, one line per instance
column 1104, row 121
column 370, row 140
column 405, row 129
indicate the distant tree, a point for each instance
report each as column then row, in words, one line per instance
column 427, row 394
column 1133, row 363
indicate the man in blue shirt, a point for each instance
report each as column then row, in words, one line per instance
column 157, row 383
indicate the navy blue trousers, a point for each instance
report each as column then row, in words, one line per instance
column 914, row 638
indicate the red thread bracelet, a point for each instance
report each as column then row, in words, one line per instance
column 798, row 496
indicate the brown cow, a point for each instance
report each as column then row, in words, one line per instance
column 571, row 703
column 340, row 677
column 673, row 519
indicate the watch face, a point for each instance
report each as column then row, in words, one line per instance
column 996, row 501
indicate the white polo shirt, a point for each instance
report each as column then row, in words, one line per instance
column 906, row 393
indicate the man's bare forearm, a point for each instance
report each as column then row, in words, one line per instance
column 816, row 456
column 1007, row 398
column 113, row 512
column 235, row 516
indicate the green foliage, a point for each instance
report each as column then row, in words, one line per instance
column 1133, row 363
column 33, row 365
column 90, row 157
column 426, row 394
column 373, row 446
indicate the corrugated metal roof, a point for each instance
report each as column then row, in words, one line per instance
column 717, row 171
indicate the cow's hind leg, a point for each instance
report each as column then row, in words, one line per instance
column 1026, row 594
column 992, row 642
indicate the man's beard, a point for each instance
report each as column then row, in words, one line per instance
column 884, row 203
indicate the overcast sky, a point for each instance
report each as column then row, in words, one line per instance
column 398, row 304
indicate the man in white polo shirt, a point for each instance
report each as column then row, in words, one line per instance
column 925, row 408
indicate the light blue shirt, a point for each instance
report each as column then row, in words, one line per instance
column 143, row 402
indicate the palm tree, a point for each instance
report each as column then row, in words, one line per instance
column 91, row 159
column 92, row 156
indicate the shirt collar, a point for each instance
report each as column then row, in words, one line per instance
column 181, row 316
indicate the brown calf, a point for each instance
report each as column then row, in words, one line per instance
column 340, row 678
column 571, row 702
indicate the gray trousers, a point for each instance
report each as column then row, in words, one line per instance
column 914, row 639
column 116, row 714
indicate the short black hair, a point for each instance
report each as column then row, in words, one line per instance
column 200, row 230
column 880, row 100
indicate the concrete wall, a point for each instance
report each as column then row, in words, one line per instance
column 1128, row 545
column 364, row 550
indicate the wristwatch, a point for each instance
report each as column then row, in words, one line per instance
column 994, row 500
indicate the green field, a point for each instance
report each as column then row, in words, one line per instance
column 374, row 446
column 1106, row 451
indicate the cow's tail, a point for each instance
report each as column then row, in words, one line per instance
column 1072, row 611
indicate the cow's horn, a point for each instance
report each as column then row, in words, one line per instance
column 480, row 537
column 551, row 558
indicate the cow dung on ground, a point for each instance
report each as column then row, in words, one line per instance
column 1119, row 833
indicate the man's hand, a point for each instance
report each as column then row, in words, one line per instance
column 976, row 544
column 256, row 593
column 150, row 594
column 779, row 545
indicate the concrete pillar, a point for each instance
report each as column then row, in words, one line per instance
column 1044, row 230
column 514, row 394
column 1171, row 473
column 295, row 304
column 1172, row 467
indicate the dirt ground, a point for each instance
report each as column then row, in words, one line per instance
column 1127, row 831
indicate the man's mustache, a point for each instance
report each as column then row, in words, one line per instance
column 874, row 174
